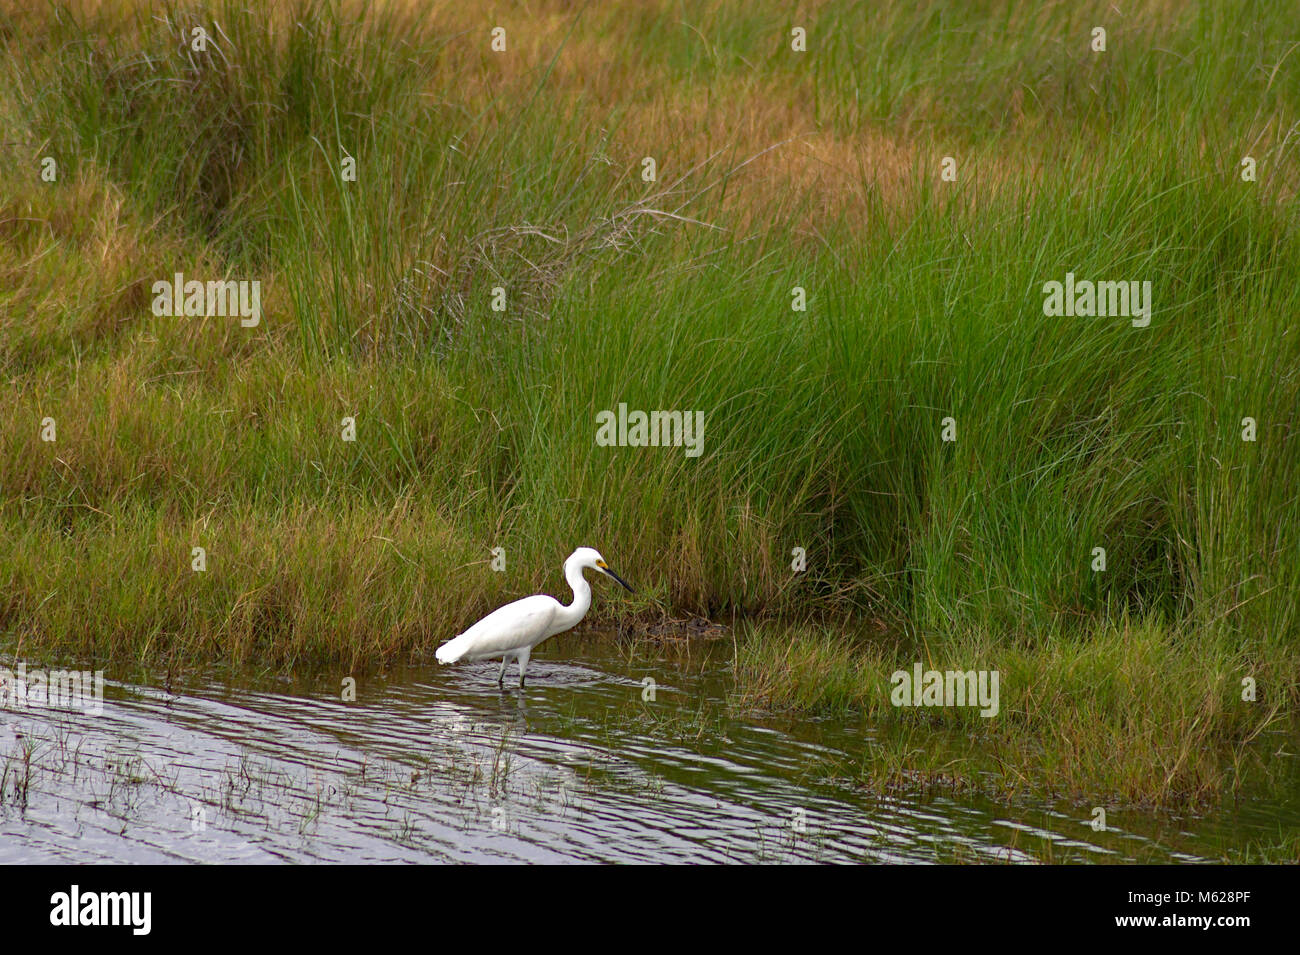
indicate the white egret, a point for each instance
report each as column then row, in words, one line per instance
column 512, row 631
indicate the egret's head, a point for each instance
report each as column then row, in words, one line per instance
column 590, row 557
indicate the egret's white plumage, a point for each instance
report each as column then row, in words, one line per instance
column 512, row 631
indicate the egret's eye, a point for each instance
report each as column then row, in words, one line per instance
column 600, row 563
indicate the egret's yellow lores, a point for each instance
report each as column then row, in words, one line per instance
column 512, row 631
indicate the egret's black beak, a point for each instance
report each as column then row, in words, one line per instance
column 619, row 579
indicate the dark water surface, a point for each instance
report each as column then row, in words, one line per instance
column 435, row 764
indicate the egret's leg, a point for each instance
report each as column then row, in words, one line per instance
column 501, row 677
column 523, row 664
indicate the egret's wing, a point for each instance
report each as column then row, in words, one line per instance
column 512, row 627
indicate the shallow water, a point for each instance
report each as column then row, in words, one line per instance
column 435, row 764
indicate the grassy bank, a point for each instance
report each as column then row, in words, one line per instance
column 1131, row 714
column 475, row 428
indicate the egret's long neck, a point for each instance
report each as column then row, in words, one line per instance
column 570, row 615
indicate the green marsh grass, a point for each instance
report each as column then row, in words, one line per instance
column 1135, row 713
column 476, row 428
